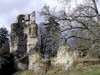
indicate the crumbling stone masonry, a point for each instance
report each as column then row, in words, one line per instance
column 23, row 39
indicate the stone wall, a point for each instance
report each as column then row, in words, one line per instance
column 23, row 39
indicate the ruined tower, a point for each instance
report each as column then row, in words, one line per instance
column 23, row 39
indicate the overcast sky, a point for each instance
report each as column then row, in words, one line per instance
column 9, row 9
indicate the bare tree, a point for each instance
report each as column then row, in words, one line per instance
column 82, row 24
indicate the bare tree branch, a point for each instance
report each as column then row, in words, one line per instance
column 72, row 28
column 78, row 38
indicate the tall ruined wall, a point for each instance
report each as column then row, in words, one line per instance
column 23, row 39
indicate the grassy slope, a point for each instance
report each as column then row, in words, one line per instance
column 94, row 72
column 27, row 72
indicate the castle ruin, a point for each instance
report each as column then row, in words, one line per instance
column 23, row 39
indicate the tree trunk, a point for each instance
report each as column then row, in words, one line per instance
column 96, row 9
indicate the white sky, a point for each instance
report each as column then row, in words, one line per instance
column 9, row 9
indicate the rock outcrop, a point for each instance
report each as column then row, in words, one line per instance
column 37, row 64
column 23, row 39
column 65, row 57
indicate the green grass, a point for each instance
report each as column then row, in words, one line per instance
column 79, row 70
column 94, row 72
column 27, row 72
column 53, row 72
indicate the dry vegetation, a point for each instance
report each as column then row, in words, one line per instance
column 81, row 66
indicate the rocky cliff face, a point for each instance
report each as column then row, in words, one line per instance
column 23, row 39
